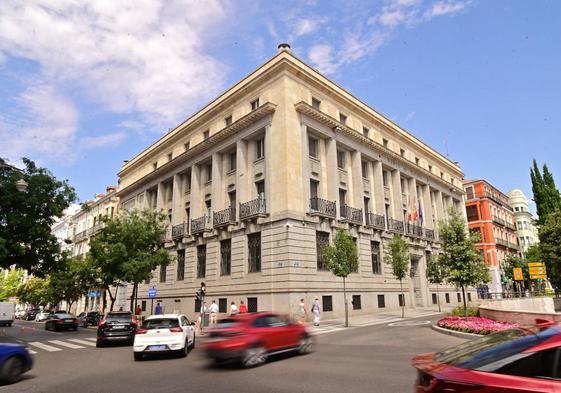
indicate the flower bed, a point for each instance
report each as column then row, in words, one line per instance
column 476, row 325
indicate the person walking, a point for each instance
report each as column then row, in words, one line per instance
column 158, row 309
column 213, row 312
column 138, row 310
column 233, row 308
column 243, row 307
column 316, row 311
column 302, row 314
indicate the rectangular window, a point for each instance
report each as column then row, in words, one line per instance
column 170, row 157
column 313, row 147
column 447, row 297
column 342, row 118
column 155, row 166
column 197, row 305
column 340, row 159
column 381, row 301
column 314, row 188
column 187, row 146
column 430, row 168
column 469, row 297
column 364, row 166
column 260, row 188
column 402, row 152
column 206, row 134
column 342, row 198
column 208, row 173
column 376, row 263
column 232, row 161
column 327, row 303
column 322, row 241
column 228, row 120
column 254, row 248
column 255, row 104
column 163, row 270
column 201, row 261
column 459, row 297
column 180, row 265
column 357, row 305
column 472, row 214
column 365, row 132
column 469, row 192
column 143, row 305
column 385, row 142
column 259, row 148
column 252, row 304
column 401, row 299
column 223, row 305
column 315, row 103
column 225, row 257
column 434, row 299
column 417, row 161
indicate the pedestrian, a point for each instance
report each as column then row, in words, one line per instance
column 138, row 310
column 243, row 307
column 213, row 312
column 302, row 313
column 158, row 309
column 315, row 311
column 233, row 308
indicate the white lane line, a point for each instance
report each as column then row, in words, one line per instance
column 46, row 347
column 31, row 351
column 91, row 339
column 65, row 344
column 75, row 340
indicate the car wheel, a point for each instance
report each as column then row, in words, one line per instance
column 12, row 370
column 46, row 327
column 138, row 356
column 183, row 352
column 193, row 343
column 99, row 344
column 305, row 346
column 254, row 356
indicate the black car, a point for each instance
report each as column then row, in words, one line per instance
column 90, row 318
column 31, row 314
column 63, row 320
column 117, row 326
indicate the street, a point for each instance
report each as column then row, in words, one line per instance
column 362, row 359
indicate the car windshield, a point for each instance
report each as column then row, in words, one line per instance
column 63, row 316
column 119, row 317
column 227, row 323
column 482, row 353
column 161, row 323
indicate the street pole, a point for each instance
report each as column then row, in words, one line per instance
column 152, row 307
column 202, row 313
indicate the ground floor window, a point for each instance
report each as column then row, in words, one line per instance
column 252, row 304
column 376, row 263
column 401, row 299
column 381, row 301
column 447, row 296
column 143, row 305
column 223, row 305
column 327, row 303
column 469, row 297
column 201, row 261
column 434, row 298
column 459, row 297
column 357, row 305
column 254, row 248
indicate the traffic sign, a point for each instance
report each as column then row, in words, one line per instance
column 152, row 293
column 536, row 264
column 518, row 276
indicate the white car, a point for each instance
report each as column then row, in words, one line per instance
column 164, row 333
column 42, row 316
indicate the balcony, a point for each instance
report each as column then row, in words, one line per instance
column 80, row 236
column 199, row 225
column 395, row 225
column 224, row 217
column 96, row 228
column 178, row 231
column 323, row 207
column 351, row 214
column 414, row 230
column 510, row 226
column 499, row 221
column 429, row 234
column 513, row 246
column 375, row 221
column 502, row 242
column 253, row 209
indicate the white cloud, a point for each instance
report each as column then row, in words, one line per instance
column 321, row 56
column 103, row 140
column 308, row 25
column 445, row 8
column 143, row 57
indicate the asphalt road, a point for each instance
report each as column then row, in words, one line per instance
column 365, row 359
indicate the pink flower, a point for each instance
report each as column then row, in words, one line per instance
column 475, row 325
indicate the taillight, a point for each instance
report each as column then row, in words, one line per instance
column 427, row 382
column 142, row 331
column 176, row 330
column 133, row 320
column 60, row 321
column 102, row 323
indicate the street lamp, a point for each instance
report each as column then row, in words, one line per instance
column 21, row 185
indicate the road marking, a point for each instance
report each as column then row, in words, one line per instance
column 65, row 344
column 32, row 352
column 91, row 339
column 75, row 340
column 46, row 347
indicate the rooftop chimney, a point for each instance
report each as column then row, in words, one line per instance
column 283, row 47
column 110, row 189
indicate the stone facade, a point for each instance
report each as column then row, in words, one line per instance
column 526, row 230
column 259, row 180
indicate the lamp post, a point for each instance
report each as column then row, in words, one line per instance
column 21, row 184
column 201, row 296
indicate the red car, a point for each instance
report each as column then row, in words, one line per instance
column 518, row 360
column 252, row 338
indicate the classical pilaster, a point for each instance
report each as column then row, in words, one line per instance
column 196, row 191
column 377, row 184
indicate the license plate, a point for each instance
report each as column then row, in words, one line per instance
column 157, row 348
column 68, row 320
column 119, row 326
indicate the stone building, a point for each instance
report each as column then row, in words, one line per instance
column 256, row 183
column 526, row 230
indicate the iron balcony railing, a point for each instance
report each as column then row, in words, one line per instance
column 323, row 207
column 375, row 220
column 253, row 208
column 224, row 217
column 80, row 236
column 395, row 225
column 96, row 228
column 499, row 221
column 178, row 231
column 413, row 230
column 199, row 225
column 429, row 234
column 510, row 226
column 351, row 214
column 502, row 242
column 513, row 246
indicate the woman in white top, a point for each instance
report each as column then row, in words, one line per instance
column 233, row 308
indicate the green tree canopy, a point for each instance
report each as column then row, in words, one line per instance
column 73, row 278
column 34, row 292
column 399, row 259
column 436, row 273
column 26, row 217
column 10, row 284
column 511, row 262
column 128, row 249
column 546, row 194
column 550, row 248
column 460, row 258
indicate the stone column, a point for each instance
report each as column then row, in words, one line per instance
column 217, row 183
column 440, row 213
column 377, row 185
column 356, row 187
column 427, row 207
column 332, row 172
column 397, row 204
column 160, row 198
column 306, row 169
column 196, row 191
column 177, row 201
column 242, row 175
column 267, row 170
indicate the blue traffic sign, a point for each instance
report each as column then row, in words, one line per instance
column 152, row 293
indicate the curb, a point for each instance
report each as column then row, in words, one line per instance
column 455, row 333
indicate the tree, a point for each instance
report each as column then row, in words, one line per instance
column 436, row 274
column 34, row 291
column 550, row 248
column 128, row 249
column 546, row 194
column 511, row 262
column 9, row 284
column 71, row 281
column 341, row 258
column 26, row 217
column 460, row 258
column 398, row 258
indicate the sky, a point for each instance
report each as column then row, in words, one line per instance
column 87, row 85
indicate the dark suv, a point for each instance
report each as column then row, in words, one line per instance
column 90, row 318
column 117, row 326
column 30, row 314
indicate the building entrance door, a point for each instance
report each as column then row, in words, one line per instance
column 415, row 277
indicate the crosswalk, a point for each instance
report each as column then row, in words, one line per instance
column 60, row 345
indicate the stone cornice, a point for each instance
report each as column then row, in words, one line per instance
column 308, row 110
column 237, row 126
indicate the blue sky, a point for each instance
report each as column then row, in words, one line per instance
column 83, row 88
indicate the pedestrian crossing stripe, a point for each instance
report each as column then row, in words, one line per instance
column 65, row 344
column 31, row 351
column 46, row 347
column 75, row 340
column 91, row 339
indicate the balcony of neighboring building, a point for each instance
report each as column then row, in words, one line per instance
column 179, row 231
column 498, row 220
column 201, row 224
column 351, row 214
column 376, row 221
column 323, row 207
column 224, row 217
column 253, row 209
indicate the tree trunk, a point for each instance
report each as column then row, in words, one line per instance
column 346, row 303
column 133, row 294
column 111, row 296
column 438, row 297
column 464, row 298
column 403, row 298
